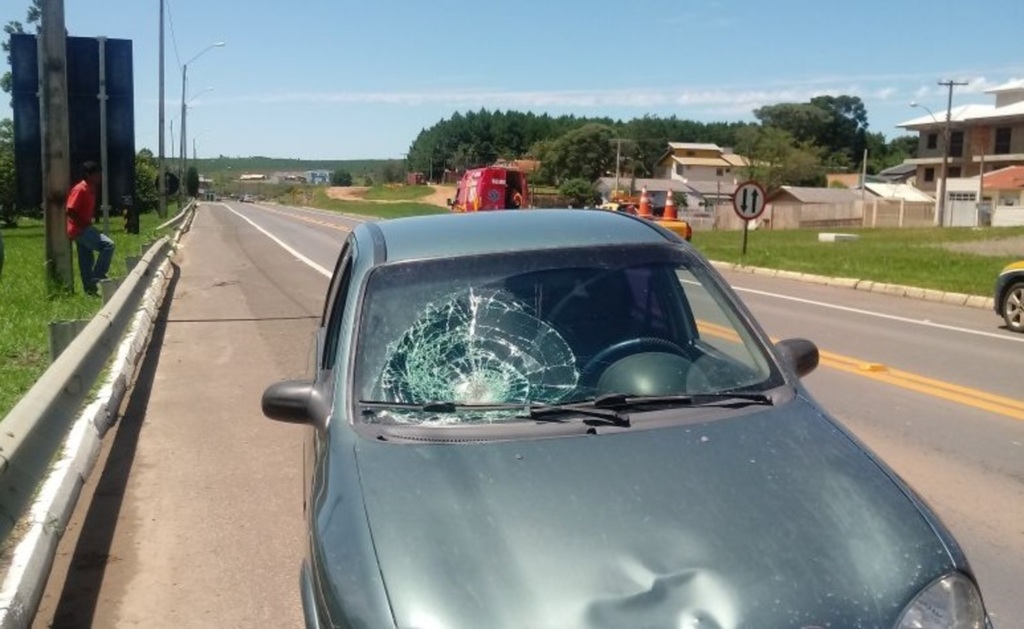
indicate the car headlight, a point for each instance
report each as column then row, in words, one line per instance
column 951, row 602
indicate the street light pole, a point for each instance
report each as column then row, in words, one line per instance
column 184, row 87
column 181, row 135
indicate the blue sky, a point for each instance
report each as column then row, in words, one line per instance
column 327, row 79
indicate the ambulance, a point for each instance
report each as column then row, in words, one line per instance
column 490, row 188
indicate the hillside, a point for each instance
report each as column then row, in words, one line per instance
column 258, row 164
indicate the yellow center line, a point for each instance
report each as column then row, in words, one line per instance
column 306, row 219
column 967, row 396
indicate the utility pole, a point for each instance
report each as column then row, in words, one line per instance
column 618, row 158
column 183, row 152
column 941, row 210
column 161, row 167
column 56, row 145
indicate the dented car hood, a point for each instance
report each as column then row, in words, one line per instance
column 770, row 519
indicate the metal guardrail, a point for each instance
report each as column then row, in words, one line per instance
column 33, row 431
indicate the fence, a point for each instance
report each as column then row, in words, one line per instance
column 899, row 213
column 870, row 213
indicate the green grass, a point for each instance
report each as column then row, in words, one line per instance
column 912, row 257
column 397, row 193
column 26, row 307
column 370, row 208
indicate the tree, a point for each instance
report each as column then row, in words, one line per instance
column 393, row 172
column 341, row 177
column 8, row 196
column 837, row 124
column 32, row 18
column 804, row 121
column 146, row 196
column 778, row 159
column 584, row 153
column 847, row 127
column 581, row 192
column 192, row 181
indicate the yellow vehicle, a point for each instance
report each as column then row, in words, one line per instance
column 635, row 205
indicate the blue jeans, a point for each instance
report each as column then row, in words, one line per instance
column 93, row 269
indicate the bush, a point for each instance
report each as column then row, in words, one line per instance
column 580, row 192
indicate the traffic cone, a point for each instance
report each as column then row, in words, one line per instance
column 645, row 205
column 670, row 213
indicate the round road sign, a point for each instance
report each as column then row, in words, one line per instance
column 748, row 200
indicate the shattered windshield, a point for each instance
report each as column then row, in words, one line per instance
column 546, row 328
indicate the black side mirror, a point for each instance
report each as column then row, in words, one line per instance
column 289, row 401
column 800, row 355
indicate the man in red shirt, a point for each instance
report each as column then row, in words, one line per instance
column 81, row 206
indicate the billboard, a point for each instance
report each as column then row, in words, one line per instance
column 86, row 95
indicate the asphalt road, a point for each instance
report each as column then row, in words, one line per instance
column 193, row 518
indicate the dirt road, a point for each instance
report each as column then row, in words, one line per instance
column 438, row 197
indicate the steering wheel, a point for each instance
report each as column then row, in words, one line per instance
column 592, row 370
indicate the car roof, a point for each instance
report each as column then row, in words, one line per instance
column 457, row 234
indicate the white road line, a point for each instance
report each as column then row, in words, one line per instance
column 882, row 315
column 301, row 258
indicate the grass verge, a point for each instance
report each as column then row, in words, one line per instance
column 27, row 308
column 913, row 257
column 370, row 208
column 397, row 193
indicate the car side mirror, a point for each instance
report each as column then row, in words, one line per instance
column 289, row 401
column 800, row 355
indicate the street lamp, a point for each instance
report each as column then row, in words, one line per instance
column 184, row 88
column 940, row 210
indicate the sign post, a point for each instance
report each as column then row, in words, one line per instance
column 748, row 201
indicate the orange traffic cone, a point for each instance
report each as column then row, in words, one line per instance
column 645, row 205
column 670, row 208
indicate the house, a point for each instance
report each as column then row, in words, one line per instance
column 693, row 161
column 791, row 207
column 983, row 137
column 898, row 192
column 900, row 173
column 798, row 195
column 318, row 177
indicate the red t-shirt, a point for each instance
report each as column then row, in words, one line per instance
column 80, row 208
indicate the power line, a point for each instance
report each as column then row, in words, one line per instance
column 174, row 38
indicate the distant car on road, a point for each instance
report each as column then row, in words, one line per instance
column 1009, row 296
column 566, row 418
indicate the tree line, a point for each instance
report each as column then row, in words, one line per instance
column 791, row 143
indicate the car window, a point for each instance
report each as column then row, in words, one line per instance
column 336, row 277
column 729, row 355
column 550, row 327
column 335, row 307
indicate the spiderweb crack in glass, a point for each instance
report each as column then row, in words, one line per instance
column 478, row 347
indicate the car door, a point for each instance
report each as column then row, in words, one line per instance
column 327, row 336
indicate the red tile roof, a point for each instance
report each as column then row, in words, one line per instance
column 1009, row 178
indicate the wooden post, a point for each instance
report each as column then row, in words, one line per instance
column 56, row 149
column 874, row 212
column 903, row 209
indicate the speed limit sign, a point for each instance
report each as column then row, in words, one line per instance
column 748, row 200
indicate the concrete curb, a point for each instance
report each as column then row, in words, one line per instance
column 911, row 292
column 47, row 518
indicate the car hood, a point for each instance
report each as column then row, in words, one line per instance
column 770, row 519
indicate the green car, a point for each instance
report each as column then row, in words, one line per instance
column 1009, row 296
column 566, row 418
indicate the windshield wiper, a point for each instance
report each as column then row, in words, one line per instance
column 532, row 410
column 594, row 413
column 621, row 400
